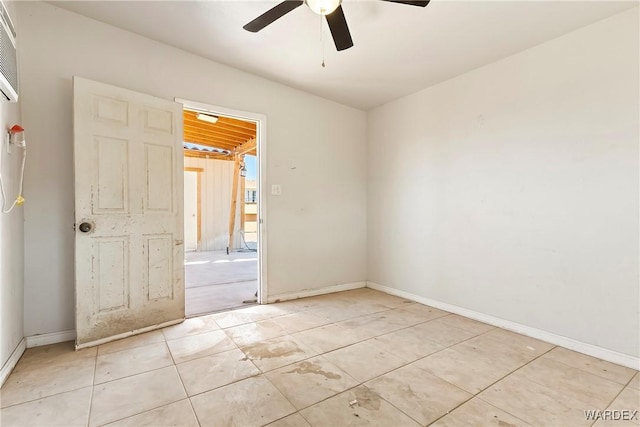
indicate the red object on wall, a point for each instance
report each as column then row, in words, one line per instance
column 16, row 129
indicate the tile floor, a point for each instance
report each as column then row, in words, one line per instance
column 352, row 358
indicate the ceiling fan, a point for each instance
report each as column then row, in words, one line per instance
column 330, row 9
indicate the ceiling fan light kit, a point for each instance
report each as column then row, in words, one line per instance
column 323, row 7
column 330, row 9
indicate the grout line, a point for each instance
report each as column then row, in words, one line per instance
column 626, row 384
column 31, row 400
column 281, row 392
column 93, row 387
column 624, row 387
column 175, row 365
column 476, row 395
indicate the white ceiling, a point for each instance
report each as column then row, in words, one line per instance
column 398, row 49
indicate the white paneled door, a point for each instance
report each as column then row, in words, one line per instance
column 129, row 227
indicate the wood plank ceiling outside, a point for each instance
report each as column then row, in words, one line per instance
column 236, row 136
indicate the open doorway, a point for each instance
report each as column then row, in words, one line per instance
column 221, row 210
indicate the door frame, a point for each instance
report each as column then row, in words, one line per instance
column 198, row 172
column 261, row 150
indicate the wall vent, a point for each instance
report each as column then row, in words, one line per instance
column 8, row 60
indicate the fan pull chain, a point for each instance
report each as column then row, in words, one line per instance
column 322, row 41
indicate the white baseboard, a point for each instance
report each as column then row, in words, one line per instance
column 315, row 292
column 53, row 338
column 11, row 363
column 579, row 346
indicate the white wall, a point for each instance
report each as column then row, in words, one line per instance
column 316, row 232
column 11, row 232
column 216, row 181
column 512, row 190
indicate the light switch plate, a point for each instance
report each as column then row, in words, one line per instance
column 276, row 190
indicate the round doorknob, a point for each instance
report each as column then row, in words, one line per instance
column 85, row 227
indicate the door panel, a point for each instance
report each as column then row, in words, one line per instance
column 128, row 182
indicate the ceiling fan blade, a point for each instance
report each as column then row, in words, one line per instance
column 339, row 29
column 272, row 14
column 411, row 3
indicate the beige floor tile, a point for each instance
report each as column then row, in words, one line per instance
column 37, row 377
column 591, row 389
column 65, row 410
column 364, row 361
column 519, row 341
column 507, row 353
column 300, row 321
column 193, row 326
column 131, row 342
column 401, row 318
column 610, row 371
column 635, row 381
column 296, row 305
column 463, row 369
column 338, row 312
column 294, row 420
column 535, row 404
column 359, row 406
column 251, row 333
column 478, row 362
column 479, row 413
column 232, row 318
column 267, row 310
column 310, row 381
column 200, row 345
column 277, row 352
column 326, row 338
column 610, row 422
column 441, row 333
column 371, row 295
column 207, row 373
column 622, row 408
column 629, row 399
column 422, row 396
column 112, row 366
column 178, row 414
column 54, row 353
column 407, row 345
column 250, row 314
column 341, row 308
column 427, row 312
column 251, row 402
column 466, row 324
column 133, row 395
column 371, row 307
column 373, row 325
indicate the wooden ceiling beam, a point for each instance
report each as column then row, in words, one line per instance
column 237, row 122
column 213, row 134
column 218, row 130
column 246, row 148
column 219, row 126
column 228, row 121
column 206, row 155
column 217, row 145
column 209, row 139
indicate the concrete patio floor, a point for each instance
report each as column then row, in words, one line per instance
column 216, row 281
